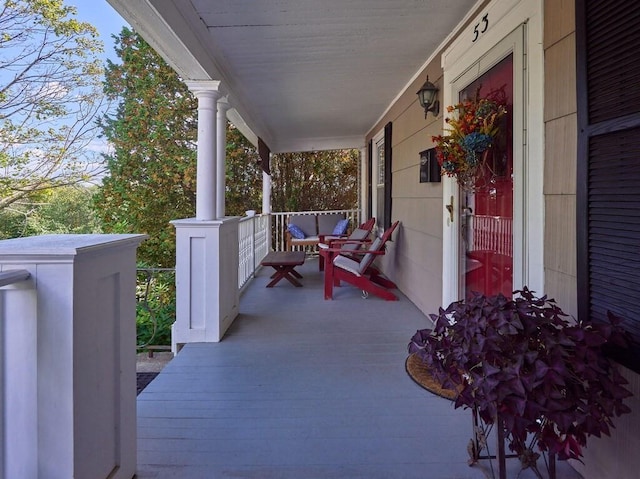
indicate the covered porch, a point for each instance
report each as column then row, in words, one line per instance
column 302, row 387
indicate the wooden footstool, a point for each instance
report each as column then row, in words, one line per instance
column 284, row 262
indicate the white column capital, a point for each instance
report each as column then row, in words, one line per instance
column 223, row 104
column 205, row 88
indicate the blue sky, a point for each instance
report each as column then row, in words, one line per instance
column 102, row 16
column 108, row 22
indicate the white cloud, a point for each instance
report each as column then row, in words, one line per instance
column 99, row 145
column 54, row 90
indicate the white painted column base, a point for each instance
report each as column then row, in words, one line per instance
column 68, row 389
column 207, row 294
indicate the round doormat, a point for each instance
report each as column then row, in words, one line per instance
column 421, row 374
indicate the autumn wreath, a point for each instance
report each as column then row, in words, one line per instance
column 473, row 127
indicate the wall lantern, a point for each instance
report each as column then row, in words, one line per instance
column 428, row 95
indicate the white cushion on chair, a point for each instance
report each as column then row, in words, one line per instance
column 328, row 240
column 355, row 267
column 347, row 264
column 359, row 234
column 369, row 257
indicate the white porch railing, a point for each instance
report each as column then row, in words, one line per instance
column 279, row 223
column 259, row 234
column 253, row 245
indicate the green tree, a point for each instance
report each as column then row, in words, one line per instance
column 152, row 171
column 322, row 180
column 151, row 174
column 50, row 93
column 15, row 218
column 244, row 175
column 68, row 209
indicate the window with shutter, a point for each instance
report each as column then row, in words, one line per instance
column 387, row 175
column 369, row 211
column 380, row 161
column 608, row 196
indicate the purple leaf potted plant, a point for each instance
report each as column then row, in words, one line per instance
column 521, row 363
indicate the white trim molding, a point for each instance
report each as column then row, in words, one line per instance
column 492, row 25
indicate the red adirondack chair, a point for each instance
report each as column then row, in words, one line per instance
column 352, row 242
column 361, row 274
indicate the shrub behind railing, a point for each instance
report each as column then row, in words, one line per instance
column 155, row 307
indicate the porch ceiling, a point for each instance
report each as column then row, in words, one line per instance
column 301, row 74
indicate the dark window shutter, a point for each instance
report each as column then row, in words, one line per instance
column 264, row 154
column 369, row 179
column 613, row 51
column 614, row 226
column 387, row 174
column 608, row 192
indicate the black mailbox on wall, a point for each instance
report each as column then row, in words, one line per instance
column 429, row 167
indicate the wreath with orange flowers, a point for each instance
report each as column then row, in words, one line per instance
column 472, row 130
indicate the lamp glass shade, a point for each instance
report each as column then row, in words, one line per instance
column 427, row 94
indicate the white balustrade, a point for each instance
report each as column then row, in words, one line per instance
column 253, row 232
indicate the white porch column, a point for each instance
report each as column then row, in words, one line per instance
column 68, row 372
column 207, row 293
column 221, row 157
column 266, row 204
column 207, row 94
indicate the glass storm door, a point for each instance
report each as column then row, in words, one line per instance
column 486, row 217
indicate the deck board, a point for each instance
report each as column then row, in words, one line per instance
column 303, row 388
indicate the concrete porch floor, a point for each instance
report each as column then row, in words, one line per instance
column 305, row 388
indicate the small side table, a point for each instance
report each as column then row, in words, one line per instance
column 284, row 262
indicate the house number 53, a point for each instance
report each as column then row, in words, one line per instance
column 480, row 27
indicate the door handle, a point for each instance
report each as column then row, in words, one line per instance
column 450, row 209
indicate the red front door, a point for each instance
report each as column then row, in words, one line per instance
column 487, row 209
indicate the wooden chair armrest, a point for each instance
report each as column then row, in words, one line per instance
column 362, row 252
column 323, row 236
column 339, row 245
column 348, row 241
